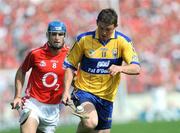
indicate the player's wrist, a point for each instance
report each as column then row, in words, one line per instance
column 66, row 90
column 121, row 69
column 17, row 97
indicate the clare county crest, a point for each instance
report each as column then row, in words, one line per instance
column 91, row 52
column 114, row 52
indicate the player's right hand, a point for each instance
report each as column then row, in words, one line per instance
column 17, row 103
column 66, row 98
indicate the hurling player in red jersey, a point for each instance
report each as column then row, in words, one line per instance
column 39, row 108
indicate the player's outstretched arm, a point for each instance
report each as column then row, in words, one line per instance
column 19, row 82
column 68, row 78
column 131, row 69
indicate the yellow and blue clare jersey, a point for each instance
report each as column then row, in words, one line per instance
column 95, row 57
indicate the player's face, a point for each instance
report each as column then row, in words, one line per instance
column 56, row 40
column 105, row 31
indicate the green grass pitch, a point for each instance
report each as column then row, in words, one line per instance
column 133, row 127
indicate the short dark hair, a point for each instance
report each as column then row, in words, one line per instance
column 108, row 16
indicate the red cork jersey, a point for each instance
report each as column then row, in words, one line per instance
column 46, row 79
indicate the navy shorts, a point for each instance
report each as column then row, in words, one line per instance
column 103, row 107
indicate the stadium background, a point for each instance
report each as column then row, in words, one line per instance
column 153, row 25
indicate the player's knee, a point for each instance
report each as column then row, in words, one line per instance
column 90, row 123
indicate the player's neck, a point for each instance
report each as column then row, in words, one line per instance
column 55, row 51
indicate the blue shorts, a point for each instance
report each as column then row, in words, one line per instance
column 103, row 107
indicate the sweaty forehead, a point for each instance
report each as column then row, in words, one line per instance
column 105, row 25
column 56, row 32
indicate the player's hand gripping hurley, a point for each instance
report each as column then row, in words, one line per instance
column 25, row 114
column 78, row 111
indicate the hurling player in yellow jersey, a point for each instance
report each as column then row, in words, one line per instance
column 97, row 56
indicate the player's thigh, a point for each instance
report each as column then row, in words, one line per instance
column 49, row 115
column 91, row 112
column 30, row 126
column 89, row 108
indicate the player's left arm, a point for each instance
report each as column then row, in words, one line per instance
column 19, row 81
column 131, row 69
column 130, row 56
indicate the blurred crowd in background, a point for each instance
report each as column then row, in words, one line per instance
column 153, row 25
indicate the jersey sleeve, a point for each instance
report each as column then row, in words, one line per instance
column 74, row 56
column 28, row 62
column 129, row 54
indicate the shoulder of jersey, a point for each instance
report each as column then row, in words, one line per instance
column 122, row 35
column 34, row 50
column 89, row 33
